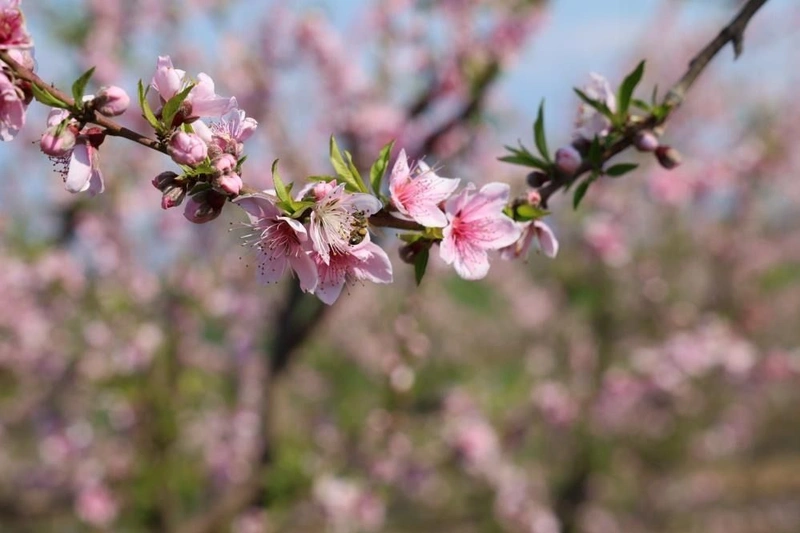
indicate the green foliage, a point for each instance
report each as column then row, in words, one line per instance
column 79, row 86
column 345, row 169
column 421, row 264
column 147, row 113
column 620, row 169
column 539, row 135
column 48, row 99
column 625, row 91
column 378, row 168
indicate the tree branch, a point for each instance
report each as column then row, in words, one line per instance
column 732, row 33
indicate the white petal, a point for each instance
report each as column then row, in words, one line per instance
column 80, row 168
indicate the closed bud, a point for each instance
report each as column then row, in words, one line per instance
column 646, row 141
column 111, row 101
column 163, row 180
column 57, row 141
column 537, row 178
column 173, row 196
column 534, row 198
column 187, row 148
column 568, row 160
column 204, row 207
column 668, row 157
column 226, row 177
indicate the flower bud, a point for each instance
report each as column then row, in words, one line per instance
column 226, row 177
column 534, row 197
column 537, row 178
column 668, row 157
column 204, row 207
column 111, row 101
column 57, row 143
column 646, row 141
column 173, row 196
column 568, row 160
column 163, row 180
column 187, row 149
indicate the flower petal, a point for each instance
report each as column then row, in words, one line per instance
column 271, row 265
column 80, row 168
column 306, row 271
column 547, row 239
column 374, row 266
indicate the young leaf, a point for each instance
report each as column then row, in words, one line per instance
column 527, row 212
column 341, row 168
column 580, row 191
column 47, row 99
column 539, row 135
column 625, row 92
column 378, row 168
column 362, row 187
column 79, row 86
column 147, row 113
column 173, row 105
column 620, row 169
column 524, row 158
column 281, row 190
column 595, row 155
column 421, row 264
column 599, row 106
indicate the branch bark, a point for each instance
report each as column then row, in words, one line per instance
column 732, row 33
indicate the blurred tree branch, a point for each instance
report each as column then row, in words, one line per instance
column 732, row 33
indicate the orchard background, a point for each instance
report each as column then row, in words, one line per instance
column 646, row 379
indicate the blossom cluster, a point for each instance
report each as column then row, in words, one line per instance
column 323, row 236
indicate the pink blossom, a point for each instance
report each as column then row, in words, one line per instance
column 280, row 241
column 13, row 33
column 202, row 100
column 366, row 261
column 12, row 109
column 229, row 134
column 57, row 143
column 84, row 171
column 112, row 101
column 477, row 225
column 568, row 160
column 533, row 229
column 418, row 192
column 228, row 180
column 96, row 506
column 334, row 217
column 187, row 148
column 590, row 123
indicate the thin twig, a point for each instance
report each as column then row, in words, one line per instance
column 732, row 33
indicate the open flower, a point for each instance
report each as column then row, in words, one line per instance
column 418, row 192
column 533, row 229
column 12, row 109
column 335, row 216
column 477, row 225
column 201, row 101
column 366, row 261
column 13, row 33
column 281, row 241
column 229, row 134
column 590, row 123
column 84, row 171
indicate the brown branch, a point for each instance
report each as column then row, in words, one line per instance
column 732, row 33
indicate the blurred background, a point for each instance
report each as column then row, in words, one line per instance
column 646, row 380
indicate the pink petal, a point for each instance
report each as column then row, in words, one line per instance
column 489, row 201
column 471, row 262
column 297, row 227
column 80, row 169
column 306, row 271
column 547, row 239
column 257, row 206
column 271, row 265
column 96, row 185
column 494, row 233
column 401, row 174
column 374, row 266
column 429, row 215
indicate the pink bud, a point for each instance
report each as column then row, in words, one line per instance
column 227, row 180
column 568, row 160
column 57, row 143
column 204, row 207
column 173, row 196
column 646, row 141
column 668, row 157
column 534, row 198
column 187, row 149
column 163, row 180
column 111, row 101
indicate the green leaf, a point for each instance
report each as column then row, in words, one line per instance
column 409, row 237
column 625, row 92
column 199, row 187
column 580, row 192
column 654, row 97
column 539, row 135
column 620, row 169
column 599, row 106
column 281, row 190
column 362, row 187
column 640, row 104
column 173, row 105
column 321, row 178
column 421, row 264
column 342, row 168
column 523, row 158
column 527, row 212
column 378, row 168
column 80, row 85
column 595, row 154
column 47, row 99
column 147, row 113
